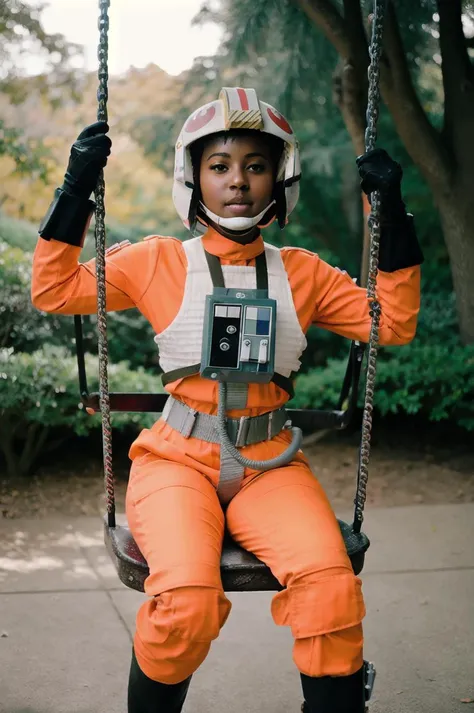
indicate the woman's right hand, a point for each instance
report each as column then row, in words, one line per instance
column 88, row 157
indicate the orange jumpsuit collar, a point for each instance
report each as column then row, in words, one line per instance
column 217, row 244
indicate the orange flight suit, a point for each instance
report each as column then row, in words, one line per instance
column 283, row 515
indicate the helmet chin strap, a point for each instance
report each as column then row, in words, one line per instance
column 237, row 224
column 240, row 229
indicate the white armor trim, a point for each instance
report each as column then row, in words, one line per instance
column 180, row 343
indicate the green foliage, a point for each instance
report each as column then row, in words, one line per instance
column 18, row 233
column 278, row 34
column 28, row 155
column 21, row 32
column 320, row 388
column 38, row 370
column 23, row 327
column 24, row 235
column 258, row 53
column 157, row 133
column 131, row 339
column 435, row 380
column 433, row 376
column 27, row 329
column 40, row 405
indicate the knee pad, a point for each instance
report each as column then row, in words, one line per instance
column 175, row 631
column 194, row 614
column 319, row 605
column 325, row 617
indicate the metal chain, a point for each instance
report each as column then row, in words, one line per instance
column 100, row 238
column 375, row 51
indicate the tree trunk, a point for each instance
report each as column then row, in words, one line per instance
column 350, row 96
column 444, row 158
column 457, row 219
column 7, row 447
column 36, row 436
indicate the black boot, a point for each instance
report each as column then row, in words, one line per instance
column 334, row 694
column 148, row 696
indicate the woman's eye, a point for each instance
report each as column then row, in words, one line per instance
column 223, row 168
column 219, row 167
column 257, row 168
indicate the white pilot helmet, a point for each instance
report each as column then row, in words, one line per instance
column 237, row 108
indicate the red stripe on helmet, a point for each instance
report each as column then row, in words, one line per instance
column 279, row 120
column 244, row 102
column 199, row 120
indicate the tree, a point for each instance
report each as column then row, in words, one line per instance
column 22, row 33
column 427, row 84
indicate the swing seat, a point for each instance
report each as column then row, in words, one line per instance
column 240, row 570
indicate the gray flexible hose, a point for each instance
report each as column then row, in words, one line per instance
column 283, row 459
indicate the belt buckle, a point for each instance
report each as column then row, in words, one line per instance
column 242, row 432
column 269, row 426
column 189, row 423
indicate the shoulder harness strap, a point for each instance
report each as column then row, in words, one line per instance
column 217, row 277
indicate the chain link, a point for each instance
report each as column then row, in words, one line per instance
column 373, row 103
column 100, row 239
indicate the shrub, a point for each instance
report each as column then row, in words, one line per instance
column 131, row 339
column 22, row 326
column 433, row 376
column 26, row 329
column 18, row 233
column 436, row 380
column 40, row 406
column 24, row 235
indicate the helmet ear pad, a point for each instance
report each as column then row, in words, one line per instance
column 196, row 155
column 194, row 207
column 196, row 151
column 280, row 201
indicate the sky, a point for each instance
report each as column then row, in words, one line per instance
column 141, row 31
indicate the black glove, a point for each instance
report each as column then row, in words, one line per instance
column 379, row 172
column 88, row 157
column 69, row 214
column 399, row 247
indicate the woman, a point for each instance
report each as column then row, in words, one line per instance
column 237, row 170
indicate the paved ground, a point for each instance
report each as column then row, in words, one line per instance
column 66, row 623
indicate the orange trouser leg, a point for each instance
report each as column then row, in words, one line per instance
column 177, row 522
column 285, row 519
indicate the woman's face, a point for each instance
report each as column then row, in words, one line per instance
column 237, row 177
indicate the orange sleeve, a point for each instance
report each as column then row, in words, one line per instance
column 60, row 283
column 332, row 300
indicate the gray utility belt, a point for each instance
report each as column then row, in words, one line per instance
column 243, row 431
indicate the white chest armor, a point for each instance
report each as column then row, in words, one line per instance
column 180, row 343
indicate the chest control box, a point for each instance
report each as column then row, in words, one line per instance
column 239, row 336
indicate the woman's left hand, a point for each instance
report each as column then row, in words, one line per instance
column 379, row 172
